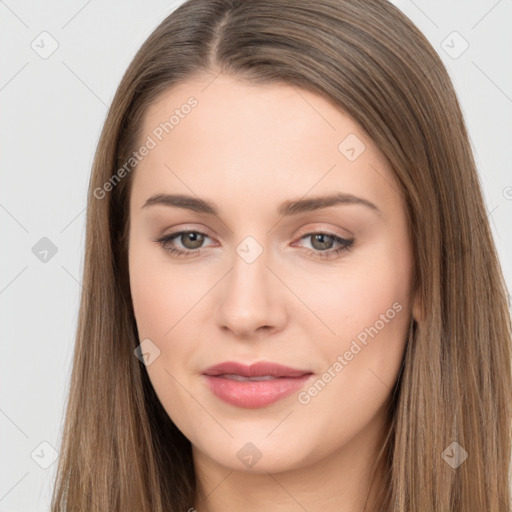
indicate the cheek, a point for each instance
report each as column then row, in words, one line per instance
column 169, row 302
column 162, row 293
column 362, row 362
column 367, row 307
column 163, row 297
column 355, row 295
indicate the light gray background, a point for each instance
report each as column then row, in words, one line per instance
column 52, row 110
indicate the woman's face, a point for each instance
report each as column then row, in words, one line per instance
column 269, row 270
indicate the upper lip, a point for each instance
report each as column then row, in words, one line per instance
column 259, row 369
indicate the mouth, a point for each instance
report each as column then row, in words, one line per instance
column 254, row 386
column 241, row 378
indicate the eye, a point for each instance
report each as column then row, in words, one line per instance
column 323, row 242
column 192, row 241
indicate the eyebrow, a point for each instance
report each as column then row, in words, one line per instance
column 287, row 208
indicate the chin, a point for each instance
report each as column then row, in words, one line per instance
column 258, row 457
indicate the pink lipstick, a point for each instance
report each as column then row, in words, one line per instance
column 254, row 386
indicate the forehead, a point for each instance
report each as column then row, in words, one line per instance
column 255, row 113
column 220, row 134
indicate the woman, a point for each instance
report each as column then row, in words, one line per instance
column 292, row 299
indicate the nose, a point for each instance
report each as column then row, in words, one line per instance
column 251, row 300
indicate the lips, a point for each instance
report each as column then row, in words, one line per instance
column 261, row 369
column 254, row 386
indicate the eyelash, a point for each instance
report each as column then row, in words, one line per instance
column 346, row 245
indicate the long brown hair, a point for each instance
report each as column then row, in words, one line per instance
column 120, row 451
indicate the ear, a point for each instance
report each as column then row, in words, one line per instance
column 417, row 307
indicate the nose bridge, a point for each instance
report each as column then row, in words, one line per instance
column 250, row 267
column 249, row 300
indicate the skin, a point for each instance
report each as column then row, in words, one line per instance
column 249, row 148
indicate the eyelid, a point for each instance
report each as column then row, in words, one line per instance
column 301, row 233
column 345, row 244
column 346, row 235
column 174, row 230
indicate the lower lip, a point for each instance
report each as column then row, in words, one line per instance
column 254, row 394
